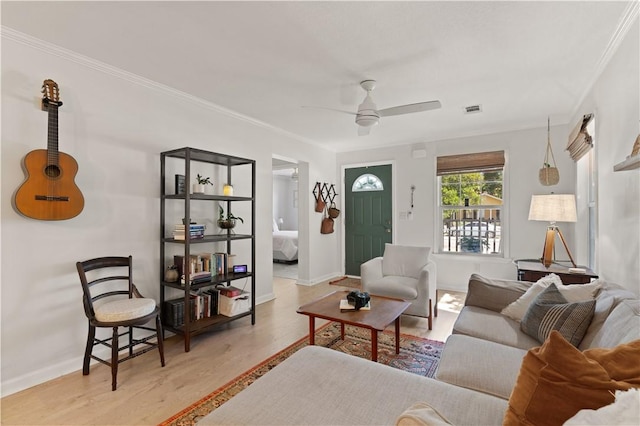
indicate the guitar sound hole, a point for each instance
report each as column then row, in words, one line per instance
column 52, row 171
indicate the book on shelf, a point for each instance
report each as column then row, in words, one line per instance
column 197, row 277
column 192, row 236
column 203, row 304
column 174, row 312
column 230, row 291
column 203, row 262
column 192, row 226
column 345, row 306
column 195, row 231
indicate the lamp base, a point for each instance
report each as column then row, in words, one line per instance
column 549, row 241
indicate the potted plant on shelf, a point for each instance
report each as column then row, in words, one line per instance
column 228, row 222
column 199, row 188
column 472, row 244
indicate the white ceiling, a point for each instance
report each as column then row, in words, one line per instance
column 522, row 61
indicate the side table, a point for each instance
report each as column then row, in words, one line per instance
column 532, row 271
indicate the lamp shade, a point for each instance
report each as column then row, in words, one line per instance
column 553, row 208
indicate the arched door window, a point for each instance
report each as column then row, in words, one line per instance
column 367, row 182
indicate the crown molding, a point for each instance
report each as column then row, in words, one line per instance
column 69, row 55
column 627, row 20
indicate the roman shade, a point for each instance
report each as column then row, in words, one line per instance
column 478, row 162
column 580, row 141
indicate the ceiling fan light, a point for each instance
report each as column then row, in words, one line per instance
column 367, row 120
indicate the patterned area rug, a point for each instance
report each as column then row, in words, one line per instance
column 417, row 355
column 347, row 282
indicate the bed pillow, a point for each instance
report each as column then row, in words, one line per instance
column 572, row 292
column 557, row 380
column 551, row 311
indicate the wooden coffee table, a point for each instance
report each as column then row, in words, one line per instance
column 383, row 312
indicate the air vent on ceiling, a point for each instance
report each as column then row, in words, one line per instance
column 472, row 109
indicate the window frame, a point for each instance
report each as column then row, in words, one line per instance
column 464, row 164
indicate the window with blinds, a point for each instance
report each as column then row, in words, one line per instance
column 471, row 200
column 580, row 141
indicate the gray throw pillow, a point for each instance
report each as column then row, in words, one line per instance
column 551, row 311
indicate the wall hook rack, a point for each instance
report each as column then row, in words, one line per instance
column 327, row 192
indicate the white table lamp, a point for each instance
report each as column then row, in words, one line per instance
column 553, row 208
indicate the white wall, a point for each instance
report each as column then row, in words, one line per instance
column 524, row 151
column 115, row 125
column 615, row 101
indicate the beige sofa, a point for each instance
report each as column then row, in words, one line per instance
column 477, row 371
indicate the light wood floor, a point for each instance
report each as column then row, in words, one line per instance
column 148, row 394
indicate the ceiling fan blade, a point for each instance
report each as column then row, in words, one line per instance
column 330, row 109
column 408, row 109
column 364, row 130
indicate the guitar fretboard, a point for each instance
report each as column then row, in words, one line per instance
column 52, row 137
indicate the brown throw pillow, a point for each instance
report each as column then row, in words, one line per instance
column 557, row 380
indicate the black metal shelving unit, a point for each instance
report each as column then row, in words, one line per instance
column 189, row 155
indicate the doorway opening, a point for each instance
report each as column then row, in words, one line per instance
column 285, row 218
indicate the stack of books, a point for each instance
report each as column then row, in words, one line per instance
column 197, row 278
column 195, row 231
column 345, row 306
column 214, row 263
column 203, row 304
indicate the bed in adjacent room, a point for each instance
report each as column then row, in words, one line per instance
column 285, row 245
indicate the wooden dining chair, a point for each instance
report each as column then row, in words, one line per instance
column 111, row 300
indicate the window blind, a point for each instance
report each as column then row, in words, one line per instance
column 580, row 141
column 481, row 162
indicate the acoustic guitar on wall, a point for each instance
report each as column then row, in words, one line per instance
column 49, row 191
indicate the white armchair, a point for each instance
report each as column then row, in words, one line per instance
column 403, row 272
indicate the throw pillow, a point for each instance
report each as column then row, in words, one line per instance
column 421, row 414
column 550, row 311
column 557, row 380
column 517, row 309
column 572, row 292
column 625, row 411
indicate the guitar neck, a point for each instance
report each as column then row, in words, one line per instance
column 52, row 136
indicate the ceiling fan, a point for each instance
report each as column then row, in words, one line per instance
column 368, row 114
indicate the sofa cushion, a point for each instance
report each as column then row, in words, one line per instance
column 124, row 309
column 405, row 261
column 320, row 386
column 493, row 294
column 621, row 326
column 472, row 363
column 421, row 414
column 492, row 326
column 394, row 286
column 560, row 376
column 550, row 311
column 572, row 292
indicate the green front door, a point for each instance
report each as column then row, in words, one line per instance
column 368, row 214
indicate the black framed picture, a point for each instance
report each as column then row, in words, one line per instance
column 179, row 185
